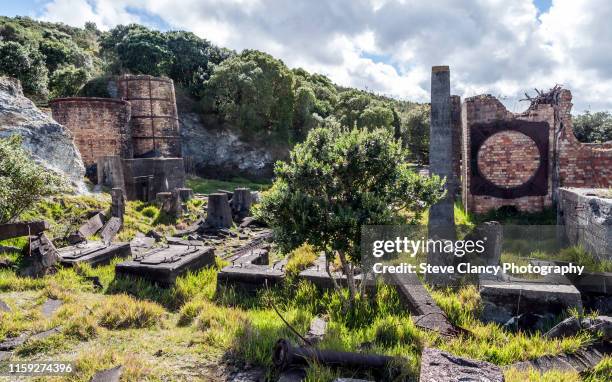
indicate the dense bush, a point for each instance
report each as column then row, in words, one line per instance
column 22, row 182
column 593, row 127
column 254, row 91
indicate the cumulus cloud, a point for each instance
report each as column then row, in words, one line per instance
column 388, row 46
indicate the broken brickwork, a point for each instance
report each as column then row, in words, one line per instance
column 100, row 125
column 521, row 160
column 154, row 122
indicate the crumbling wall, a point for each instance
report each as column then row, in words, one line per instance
column 155, row 124
column 580, row 164
column 100, row 126
column 456, row 128
column 586, row 216
column 507, row 159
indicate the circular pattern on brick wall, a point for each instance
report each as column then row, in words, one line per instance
column 508, row 159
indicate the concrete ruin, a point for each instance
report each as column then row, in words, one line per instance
column 132, row 141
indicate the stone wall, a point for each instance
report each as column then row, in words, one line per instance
column 155, row 124
column 586, row 216
column 100, row 126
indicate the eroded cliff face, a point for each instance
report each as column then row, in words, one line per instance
column 220, row 153
column 48, row 142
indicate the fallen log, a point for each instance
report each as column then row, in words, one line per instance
column 11, row 230
column 285, row 355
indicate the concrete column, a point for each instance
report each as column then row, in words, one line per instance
column 441, row 215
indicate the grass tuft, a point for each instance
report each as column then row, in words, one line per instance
column 124, row 312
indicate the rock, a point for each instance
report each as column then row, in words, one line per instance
column 439, row 366
column 48, row 142
column 292, row 375
column 4, row 307
column 110, row 375
column 317, row 330
column 43, row 335
column 5, row 355
column 527, row 322
column 12, row 343
column 566, row 328
column 599, row 324
column 155, row 235
column 50, row 306
column 218, row 151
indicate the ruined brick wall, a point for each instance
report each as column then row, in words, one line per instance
column 506, row 159
column 100, row 125
column 580, row 164
column 155, row 125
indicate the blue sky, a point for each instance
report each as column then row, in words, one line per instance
column 498, row 47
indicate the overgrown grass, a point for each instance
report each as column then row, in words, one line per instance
column 300, row 259
column 207, row 186
column 124, row 312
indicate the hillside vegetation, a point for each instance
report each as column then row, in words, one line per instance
column 251, row 92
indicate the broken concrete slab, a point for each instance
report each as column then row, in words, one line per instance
column 4, row 307
column 14, row 342
column 179, row 241
column 110, row 230
column 504, row 300
column 12, row 230
column 41, row 256
column 49, row 307
column 250, row 277
column 94, row 253
column 165, row 264
column 427, row 314
column 257, row 256
column 109, row 375
column 141, row 244
column 566, row 328
column 437, row 365
column 89, row 228
column 45, row 334
column 582, row 360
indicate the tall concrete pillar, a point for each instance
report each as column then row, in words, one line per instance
column 441, row 215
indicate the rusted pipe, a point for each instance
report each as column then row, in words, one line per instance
column 285, row 355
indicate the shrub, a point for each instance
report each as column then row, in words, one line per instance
column 150, row 212
column 338, row 181
column 22, row 182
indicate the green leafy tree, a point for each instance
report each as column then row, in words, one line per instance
column 193, row 59
column 22, row 182
column 593, row 127
column 338, row 181
column 415, row 133
column 137, row 49
column 303, row 120
column 26, row 64
column 66, row 81
column 253, row 90
column 359, row 109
